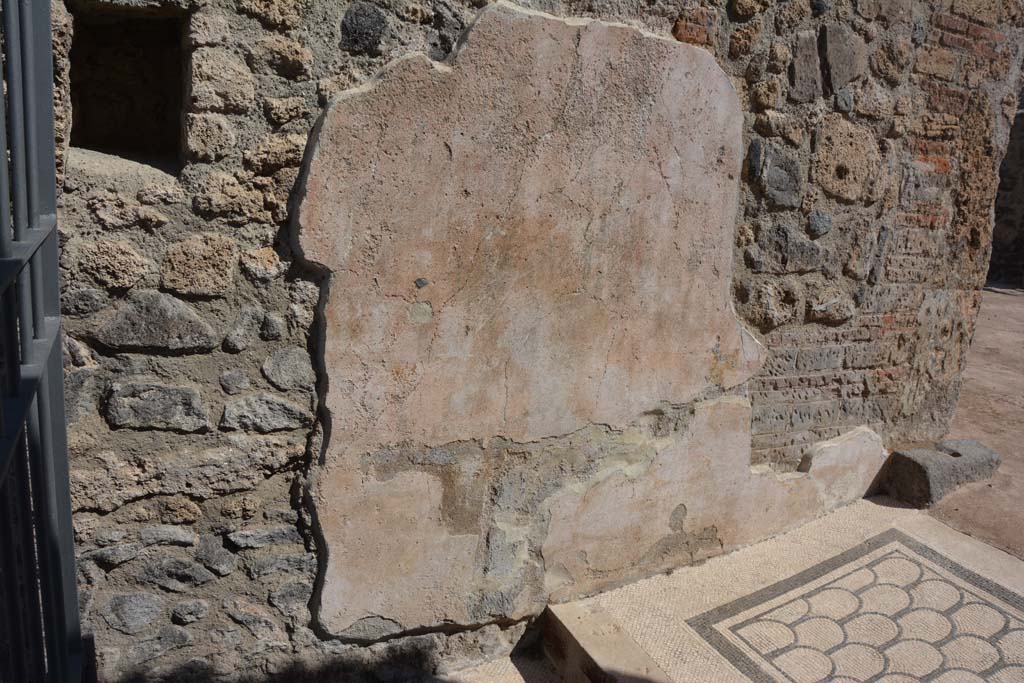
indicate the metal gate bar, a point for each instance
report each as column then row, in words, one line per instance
column 40, row 636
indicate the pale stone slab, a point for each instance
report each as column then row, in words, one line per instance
column 846, row 468
column 585, row 643
column 527, row 241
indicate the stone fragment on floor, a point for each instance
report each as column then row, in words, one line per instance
column 924, row 476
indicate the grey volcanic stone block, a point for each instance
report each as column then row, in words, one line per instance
column 290, row 368
column 167, row 534
column 291, row 598
column 264, row 536
column 190, row 611
column 363, row 29
column 114, row 555
column 157, row 322
column 270, row 565
column 131, row 613
column 234, row 382
column 175, row 574
column 264, row 413
column 805, row 70
column 155, row 406
column 845, row 55
column 255, row 619
column 923, row 477
column 214, row 556
column 166, row 639
column 819, row 223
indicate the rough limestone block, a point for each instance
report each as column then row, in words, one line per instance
column 528, row 240
column 846, row 162
column 203, row 265
column 923, row 477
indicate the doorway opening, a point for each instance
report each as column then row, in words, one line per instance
column 1006, row 267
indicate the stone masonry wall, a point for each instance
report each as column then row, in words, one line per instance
column 874, row 132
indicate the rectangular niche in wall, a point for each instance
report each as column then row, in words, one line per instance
column 127, row 85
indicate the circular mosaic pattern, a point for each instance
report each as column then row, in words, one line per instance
column 893, row 619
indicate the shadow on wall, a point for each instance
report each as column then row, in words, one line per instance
column 408, row 661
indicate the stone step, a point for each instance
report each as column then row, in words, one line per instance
column 586, row 645
column 872, row 591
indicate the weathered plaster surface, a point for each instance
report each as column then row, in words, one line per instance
column 529, row 239
column 526, row 242
column 698, row 495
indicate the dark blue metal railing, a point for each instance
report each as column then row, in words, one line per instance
column 40, row 636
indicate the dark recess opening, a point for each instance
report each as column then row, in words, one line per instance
column 127, row 86
column 1007, row 265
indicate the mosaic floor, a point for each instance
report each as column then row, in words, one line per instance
column 891, row 610
column 874, row 593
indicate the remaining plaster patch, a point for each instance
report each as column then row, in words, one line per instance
column 605, row 532
column 529, row 240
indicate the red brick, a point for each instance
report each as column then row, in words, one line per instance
column 985, row 49
column 925, row 146
column 931, row 220
column 985, row 33
column 950, row 23
column 936, row 153
column 954, row 41
column 937, row 61
column 942, row 98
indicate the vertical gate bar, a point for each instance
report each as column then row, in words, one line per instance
column 40, row 573
column 8, row 530
column 13, row 666
column 34, row 663
column 47, row 475
column 16, row 101
column 5, row 188
column 16, row 105
column 35, row 618
column 33, row 180
column 40, row 454
column 53, row 414
column 46, row 192
column 33, row 521
column 29, row 110
column 8, row 305
column 48, row 559
column 6, row 596
column 51, row 396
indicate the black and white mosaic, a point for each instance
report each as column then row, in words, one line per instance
column 890, row 610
